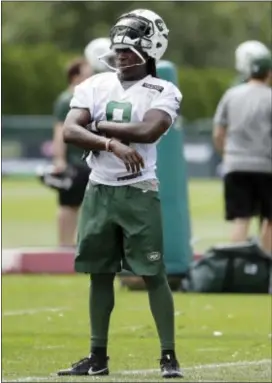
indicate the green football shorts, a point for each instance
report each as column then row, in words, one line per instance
column 119, row 228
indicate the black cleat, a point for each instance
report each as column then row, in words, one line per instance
column 170, row 367
column 91, row 366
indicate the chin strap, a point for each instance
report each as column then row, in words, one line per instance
column 103, row 58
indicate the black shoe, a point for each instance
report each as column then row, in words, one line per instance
column 170, row 367
column 88, row 366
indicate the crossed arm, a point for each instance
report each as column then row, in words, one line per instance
column 154, row 125
column 74, row 131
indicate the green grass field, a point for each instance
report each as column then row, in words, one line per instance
column 45, row 327
column 29, row 210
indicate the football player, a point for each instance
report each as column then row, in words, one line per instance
column 120, row 219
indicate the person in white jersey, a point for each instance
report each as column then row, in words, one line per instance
column 120, row 221
column 243, row 133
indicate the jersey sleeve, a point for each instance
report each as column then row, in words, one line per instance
column 83, row 96
column 169, row 101
column 221, row 113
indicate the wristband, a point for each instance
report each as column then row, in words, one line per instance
column 107, row 145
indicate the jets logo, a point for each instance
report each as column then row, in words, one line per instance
column 154, row 256
column 159, row 24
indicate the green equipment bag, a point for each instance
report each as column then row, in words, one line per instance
column 241, row 268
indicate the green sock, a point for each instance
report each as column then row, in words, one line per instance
column 101, row 306
column 162, row 308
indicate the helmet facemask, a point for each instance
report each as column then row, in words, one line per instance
column 131, row 32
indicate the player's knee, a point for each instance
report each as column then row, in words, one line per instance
column 267, row 227
column 153, row 282
column 268, row 223
column 68, row 214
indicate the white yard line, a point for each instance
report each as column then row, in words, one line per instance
column 214, row 366
column 48, row 347
column 33, row 311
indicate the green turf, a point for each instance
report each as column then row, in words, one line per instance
column 29, row 210
column 45, row 328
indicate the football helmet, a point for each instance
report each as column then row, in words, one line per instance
column 246, row 53
column 142, row 31
column 94, row 50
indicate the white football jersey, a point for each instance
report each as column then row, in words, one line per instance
column 106, row 99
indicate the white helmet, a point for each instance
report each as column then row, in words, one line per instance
column 95, row 49
column 246, row 53
column 142, row 29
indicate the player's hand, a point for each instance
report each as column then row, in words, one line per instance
column 131, row 158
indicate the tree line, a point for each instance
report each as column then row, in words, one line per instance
column 202, row 34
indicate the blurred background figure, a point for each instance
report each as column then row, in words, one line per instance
column 64, row 156
column 245, row 53
column 242, row 133
column 67, row 158
column 95, row 50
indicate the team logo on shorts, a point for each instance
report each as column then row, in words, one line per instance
column 154, row 256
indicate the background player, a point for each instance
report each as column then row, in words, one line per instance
column 67, row 158
column 69, row 198
column 245, row 53
column 97, row 48
column 242, row 131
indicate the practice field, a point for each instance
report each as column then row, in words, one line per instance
column 29, row 214
column 220, row 338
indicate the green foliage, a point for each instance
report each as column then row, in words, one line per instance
column 202, row 33
column 32, row 77
column 202, row 89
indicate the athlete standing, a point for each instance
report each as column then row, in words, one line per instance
column 120, row 221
